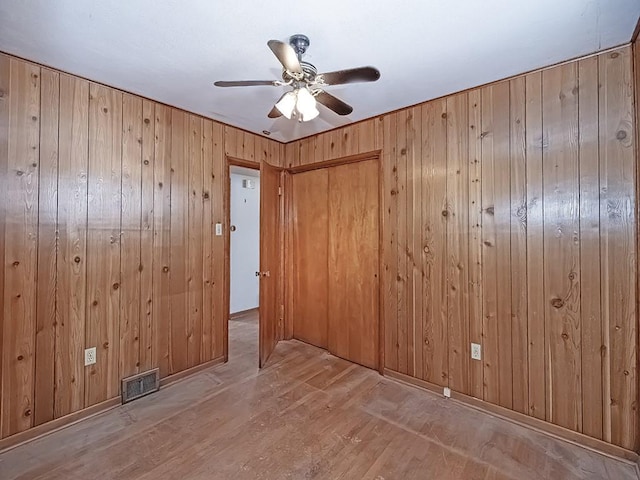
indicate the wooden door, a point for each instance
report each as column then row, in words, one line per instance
column 270, row 240
column 354, row 245
column 310, row 222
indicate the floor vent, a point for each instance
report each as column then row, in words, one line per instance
column 140, row 385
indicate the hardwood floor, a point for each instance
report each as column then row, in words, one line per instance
column 306, row 415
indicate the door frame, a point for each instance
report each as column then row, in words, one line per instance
column 226, row 226
column 382, row 284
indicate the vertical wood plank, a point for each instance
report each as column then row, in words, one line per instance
column 20, row 243
column 434, row 240
column 146, row 237
column 457, row 209
column 413, row 215
column 195, row 239
column 476, row 378
column 618, row 254
column 131, row 211
column 47, row 247
column 161, row 301
column 221, row 309
column 502, row 215
column 390, row 172
column 518, row 219
column 535, row 248
column 208, row 274
column 5, row 119
column 103, row 242
column 179, row 239
column 71, row 298
column 561, row 245
column 401, row 225
column 490, row 340
column 590, row 288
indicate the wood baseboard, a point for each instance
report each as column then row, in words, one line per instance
column 555, row 431
column 190, row 371
column 242, row 313
column 39, row 431
column 58, row 424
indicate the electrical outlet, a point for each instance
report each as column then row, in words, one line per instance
column 89, row 356
column 446, row 392
column 476, row 351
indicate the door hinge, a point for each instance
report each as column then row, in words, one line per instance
column 279, row 191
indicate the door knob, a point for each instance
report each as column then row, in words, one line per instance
column 263, row 274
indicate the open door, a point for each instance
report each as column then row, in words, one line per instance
column 270, row 230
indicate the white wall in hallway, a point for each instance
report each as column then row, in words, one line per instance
column 245, row 240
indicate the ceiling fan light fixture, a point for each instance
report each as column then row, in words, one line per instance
column 287, row 104
column 306, row 105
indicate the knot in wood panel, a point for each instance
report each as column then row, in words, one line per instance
column 557, row 303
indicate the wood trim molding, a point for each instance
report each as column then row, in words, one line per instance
column 636, row 32
column 57, row 424
column 334, row 162
column 241, row 162
column 39, row 431
column 166, row 381
column 555, row 431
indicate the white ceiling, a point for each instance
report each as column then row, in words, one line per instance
column 172, row 51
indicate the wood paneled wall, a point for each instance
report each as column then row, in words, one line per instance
column 509, row 220
column 106, row 238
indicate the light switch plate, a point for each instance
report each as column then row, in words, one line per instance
column 218, row 229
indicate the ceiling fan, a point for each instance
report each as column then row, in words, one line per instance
column 308, row 85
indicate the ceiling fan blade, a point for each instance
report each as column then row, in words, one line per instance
column 334, row 103
column 245, row 83
column 274, row 113
column 353, row 75
column 286, row 55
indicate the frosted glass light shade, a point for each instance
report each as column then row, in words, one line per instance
column 287, row 104
column 306, row 105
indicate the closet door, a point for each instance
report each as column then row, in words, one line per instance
column 310, row 255
column 353, row 306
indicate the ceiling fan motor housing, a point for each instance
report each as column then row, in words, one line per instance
column 300, row 43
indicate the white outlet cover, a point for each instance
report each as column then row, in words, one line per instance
column 89, row 356
column 447, row 392
column 218, row 229
column 476, row 351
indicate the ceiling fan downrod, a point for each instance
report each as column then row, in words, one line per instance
column 300, row 43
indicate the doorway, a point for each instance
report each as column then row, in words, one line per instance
column 244, row 262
